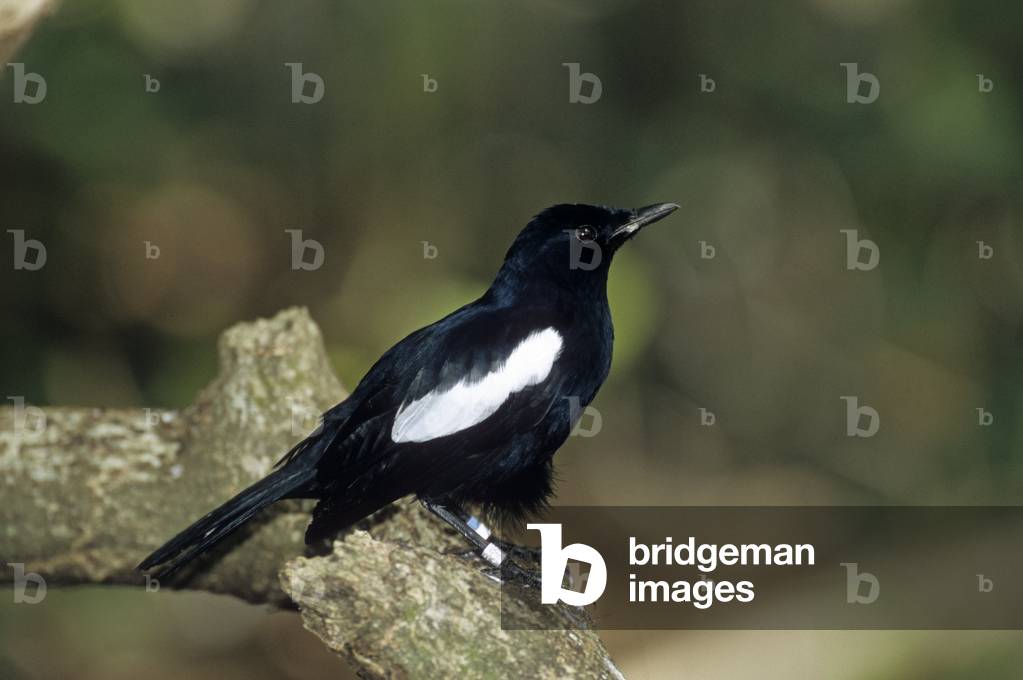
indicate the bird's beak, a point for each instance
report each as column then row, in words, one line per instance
column 643, row 217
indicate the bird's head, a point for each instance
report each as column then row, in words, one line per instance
column 575, row 242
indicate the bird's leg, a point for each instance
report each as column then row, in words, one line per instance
column 523, row 553
column 507, row 547
column 478, row 534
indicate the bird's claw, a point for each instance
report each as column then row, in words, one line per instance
column 511, row 573
column 522, row 553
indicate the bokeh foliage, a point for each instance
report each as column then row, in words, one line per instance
column 768, row 168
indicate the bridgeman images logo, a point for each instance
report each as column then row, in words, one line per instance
column 554, row 563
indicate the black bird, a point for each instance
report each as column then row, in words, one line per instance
column 468, row 410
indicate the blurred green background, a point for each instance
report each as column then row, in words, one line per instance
column 768, row 168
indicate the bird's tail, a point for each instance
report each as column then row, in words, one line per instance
column 219, row 523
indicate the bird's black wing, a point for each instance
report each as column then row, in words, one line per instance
column 439, row 405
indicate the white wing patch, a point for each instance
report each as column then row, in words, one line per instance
column 438, row 414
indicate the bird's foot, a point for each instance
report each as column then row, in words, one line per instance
column 522, row 553
column 512, row 573
column 507, row 571
column 465, row 554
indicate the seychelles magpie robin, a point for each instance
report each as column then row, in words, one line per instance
column 468, row 410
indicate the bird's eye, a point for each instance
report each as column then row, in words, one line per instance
column 585, row 233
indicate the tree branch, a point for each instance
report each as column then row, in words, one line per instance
column 88, row 492
column 17, row 19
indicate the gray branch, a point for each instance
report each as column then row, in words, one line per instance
column 88, row 492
